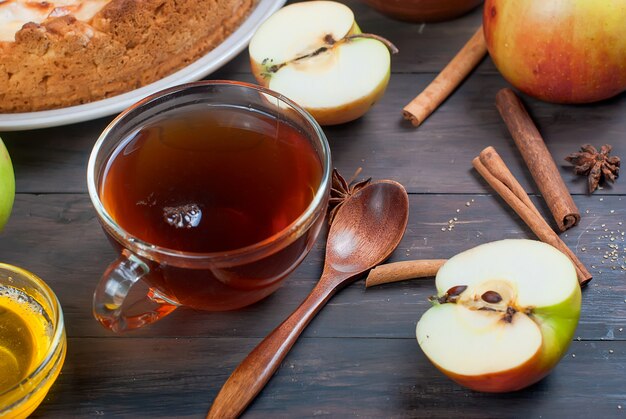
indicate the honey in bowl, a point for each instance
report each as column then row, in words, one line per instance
column 21, row 334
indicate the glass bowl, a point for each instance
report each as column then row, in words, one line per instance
column 26, row 299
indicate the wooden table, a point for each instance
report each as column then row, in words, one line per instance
column 359, row 357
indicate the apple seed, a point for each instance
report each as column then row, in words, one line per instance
column 457, row 290
column 451, row 296
column 491, row 297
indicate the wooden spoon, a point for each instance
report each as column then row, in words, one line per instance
column 365, row 231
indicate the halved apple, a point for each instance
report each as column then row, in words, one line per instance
column 315, row 54
column 504, row 315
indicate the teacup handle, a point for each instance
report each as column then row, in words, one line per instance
column 119, row 309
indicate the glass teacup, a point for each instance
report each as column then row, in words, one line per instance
column 181, row 228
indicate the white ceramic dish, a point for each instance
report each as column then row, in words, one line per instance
column 215, row 59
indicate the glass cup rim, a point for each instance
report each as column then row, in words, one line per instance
column 146, row 249
column 58, row 327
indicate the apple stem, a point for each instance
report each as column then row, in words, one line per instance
column 275, row 67
column 392, row 48
column 330, row 43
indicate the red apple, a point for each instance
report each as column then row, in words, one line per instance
column 560, row 51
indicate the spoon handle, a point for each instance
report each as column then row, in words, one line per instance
column 257, row 368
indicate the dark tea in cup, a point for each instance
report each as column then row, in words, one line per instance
column 206, row 182
column 211, row 200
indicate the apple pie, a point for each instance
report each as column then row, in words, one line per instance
column 59, row 53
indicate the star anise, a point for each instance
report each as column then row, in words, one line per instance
column 597, row 165
column 341, row 190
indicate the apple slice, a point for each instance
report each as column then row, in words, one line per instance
column 504, row 315
column 315, row 54
column 7, row 185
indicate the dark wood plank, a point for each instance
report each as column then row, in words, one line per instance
column 436, row 158
column 320, row 377
column 58, row 237
column 53, row 159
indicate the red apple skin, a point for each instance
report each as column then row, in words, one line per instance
column 557, row 336
column 559, row 51
column 505, row 381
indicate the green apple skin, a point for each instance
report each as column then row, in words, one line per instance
column 7, row 185
column 557, row 323
column 559, row 51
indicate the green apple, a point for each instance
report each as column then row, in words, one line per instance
column 315, row 54
column 504, row 315
column 7, row 185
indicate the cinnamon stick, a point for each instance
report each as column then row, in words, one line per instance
column 493, row 169
column 400, row 271
column 538, row 159
column 448, row 80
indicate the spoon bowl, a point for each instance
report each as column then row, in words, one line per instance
column 366, row 230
